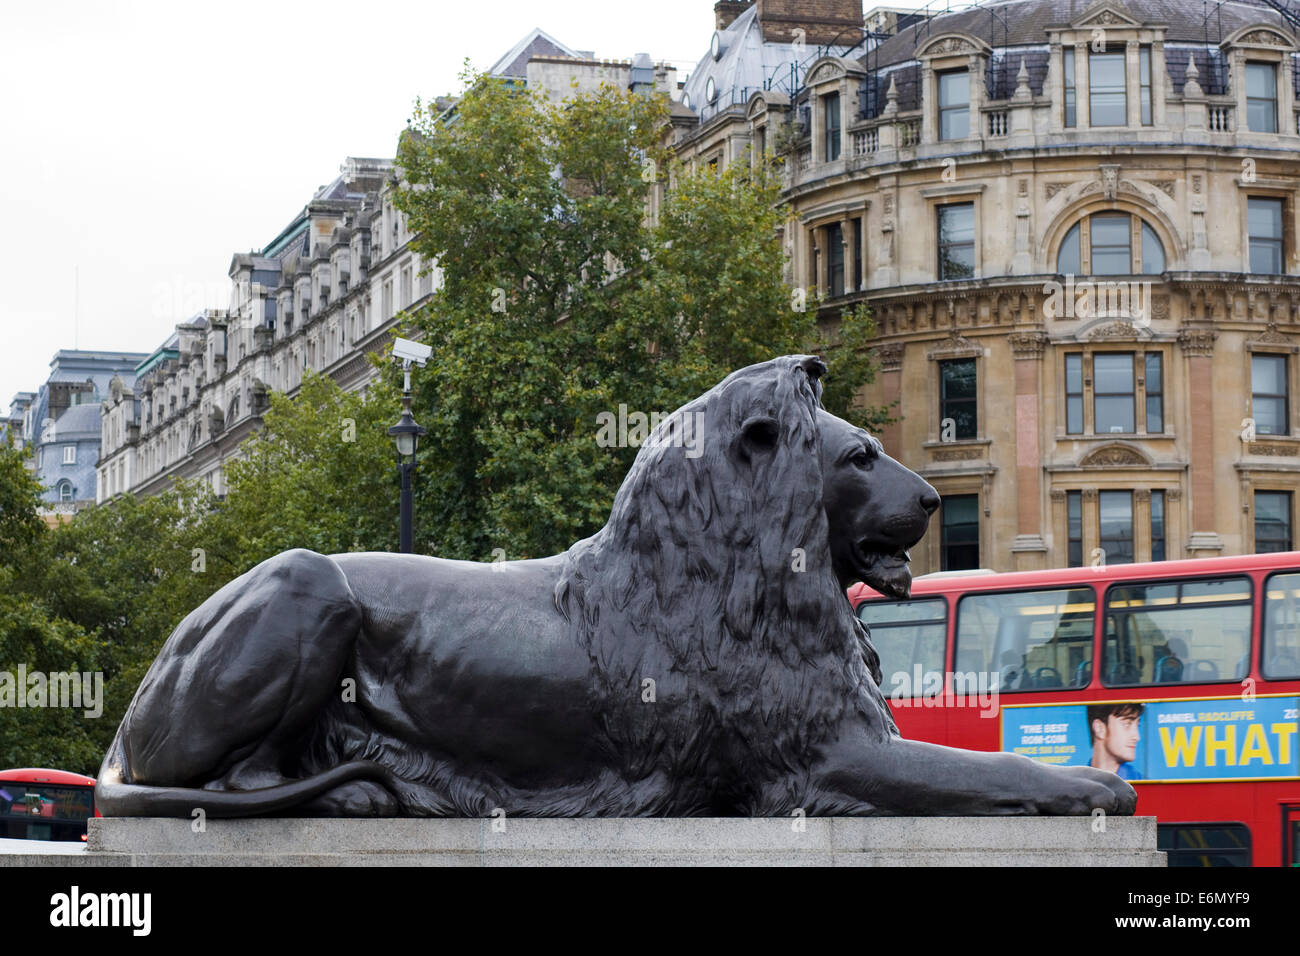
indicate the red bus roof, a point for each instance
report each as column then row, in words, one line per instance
column 42, row 775
column 926, row 585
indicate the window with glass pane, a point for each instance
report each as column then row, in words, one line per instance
column 832, row 108
column 906, row 634
column 1144, row 80
column 1272, row 521
column 857, row 251
column 1111, row 245
column 1177, row 632
column 1199, row 844
column 1115, row 515
column 1107, row 102
column 1261, row 97
column 1074, row 393
column 1281, row 655
column 1158, row 526
column 960, row 533
column 1033, row 640
column 1155, row 389
column 1268, row 398
column 954, row 104
column 957, row 241
column 1068, row 56
column 1074, row 527
column 1068, row 260
column 835, row 258
column 957, row 397
column 1264, row 224
column 1153, row 252
column 1112, row 393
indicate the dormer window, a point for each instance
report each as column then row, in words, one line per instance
column 954, row 104
column 1261, row 97
column 831, row 106
column 1107, row 96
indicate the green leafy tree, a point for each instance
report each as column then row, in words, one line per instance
column 562, row 301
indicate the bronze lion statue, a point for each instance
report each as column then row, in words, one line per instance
column 696, row 656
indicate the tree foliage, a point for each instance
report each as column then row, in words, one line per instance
column 562, row 300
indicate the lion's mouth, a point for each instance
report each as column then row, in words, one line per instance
column 886, row 571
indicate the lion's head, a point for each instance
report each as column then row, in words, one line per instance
column 876, row 508
column 720, row 575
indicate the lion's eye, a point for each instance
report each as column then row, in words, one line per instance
column 861, row 459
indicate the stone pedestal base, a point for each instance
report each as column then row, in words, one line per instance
column 851, row 841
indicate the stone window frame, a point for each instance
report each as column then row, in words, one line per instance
column 1090, row 507
column 1290, row 352
column 1261, row 42
column 1267, row 486
column 971, row 483
column 937, row 196
column 813, row 223
column 945, row 351
column 1081, row 212
column 945, row 53
column 1120, row 29
column 1268, row 189
column 1138, row 349
column 830, row 75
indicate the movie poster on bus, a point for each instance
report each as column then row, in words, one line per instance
column 1208, row 739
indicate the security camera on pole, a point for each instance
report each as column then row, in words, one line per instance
column 406, row 433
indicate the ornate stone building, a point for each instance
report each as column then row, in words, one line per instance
column 323, row 294
column 1076, row 225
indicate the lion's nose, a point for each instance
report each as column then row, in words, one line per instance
column 930, row 500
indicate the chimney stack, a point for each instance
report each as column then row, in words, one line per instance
column 726, row 11
column 822, row 21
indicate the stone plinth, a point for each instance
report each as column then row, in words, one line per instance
column 840, row 841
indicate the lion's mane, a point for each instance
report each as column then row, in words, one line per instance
column 713, row 579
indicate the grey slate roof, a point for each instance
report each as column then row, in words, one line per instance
column 537, row 43
column 78, row 421
column 1025, row 22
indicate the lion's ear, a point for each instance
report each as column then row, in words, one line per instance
column 760, row 433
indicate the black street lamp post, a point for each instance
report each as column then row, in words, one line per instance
column 406, row 436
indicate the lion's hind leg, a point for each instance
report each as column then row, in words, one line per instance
column 244, row 678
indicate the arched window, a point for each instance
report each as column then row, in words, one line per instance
column 65, row 491
column 1110, row 244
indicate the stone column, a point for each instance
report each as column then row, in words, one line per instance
column 1082, row 102
column 1159, row 82
column 1133, row 83
column 862, row 239
column 1142, row 524
column 846, row 240
column 1029, row 548
column 1198, row 346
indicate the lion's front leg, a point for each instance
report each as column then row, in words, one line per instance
column 911, row 778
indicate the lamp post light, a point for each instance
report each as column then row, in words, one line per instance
column 406, row 434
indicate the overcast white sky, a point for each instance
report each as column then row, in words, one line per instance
column 144, row 143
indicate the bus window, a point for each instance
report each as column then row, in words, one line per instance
column 1204, row 844
column 1179, row 632
column 1028, row 640
column 1281, row 657
column 907, row 634
column 38, row 811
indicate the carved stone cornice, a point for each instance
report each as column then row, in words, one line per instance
column 1120, row 331
column 1197, row 341
column 1272, row 338
column 1027, row 345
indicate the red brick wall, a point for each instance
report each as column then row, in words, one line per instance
column 822, row 21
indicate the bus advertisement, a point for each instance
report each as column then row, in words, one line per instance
column 1183, row 677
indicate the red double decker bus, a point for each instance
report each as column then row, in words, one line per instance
column 40, row 804
column 1181, row 676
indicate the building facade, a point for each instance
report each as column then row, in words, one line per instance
column 324, row 293
column 62, row 421
column 1076, row 226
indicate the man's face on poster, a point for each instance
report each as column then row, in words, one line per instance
column 1122, row 737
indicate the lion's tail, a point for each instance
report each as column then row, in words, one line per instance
column 115, row 797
